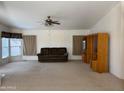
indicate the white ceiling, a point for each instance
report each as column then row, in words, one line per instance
column 72, row 15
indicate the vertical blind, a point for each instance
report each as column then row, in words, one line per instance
column 77, row 45
column 29, row 45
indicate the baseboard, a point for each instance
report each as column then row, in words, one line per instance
column 74, row 60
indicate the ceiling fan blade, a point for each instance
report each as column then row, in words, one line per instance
column 55, row 23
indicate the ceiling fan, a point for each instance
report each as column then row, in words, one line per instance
column 49, row 21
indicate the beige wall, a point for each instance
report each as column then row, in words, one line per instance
column 122, row 38
column 54, row 38
column 111, row 23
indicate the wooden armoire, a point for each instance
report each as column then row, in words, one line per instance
column 97, row 52
column 89, row 48
column 84, row 49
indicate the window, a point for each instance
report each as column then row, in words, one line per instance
column 15, row 46
column 5, row 47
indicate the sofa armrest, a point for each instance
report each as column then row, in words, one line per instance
column 39, row 54
column 66, row 54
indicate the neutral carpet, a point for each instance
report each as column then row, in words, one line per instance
column 73, row 75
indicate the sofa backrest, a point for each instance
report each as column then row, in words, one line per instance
column 61, row 51
column 53, row 51
column 45, row 51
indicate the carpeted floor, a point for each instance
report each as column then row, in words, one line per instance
column 73, row 75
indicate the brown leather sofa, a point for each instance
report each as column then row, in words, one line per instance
column 53, row 55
